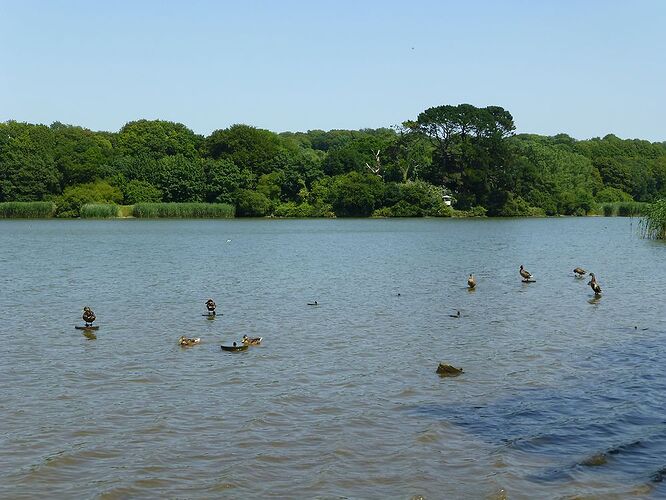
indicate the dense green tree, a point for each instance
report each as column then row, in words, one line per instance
column 470, row 150
column 27, row 168
column 355, row 194
column 74, row 197
column 224, row 179
column 259, row 151
column 157, row 139
column 80, row 155
column 180, row 179
column 136, row 191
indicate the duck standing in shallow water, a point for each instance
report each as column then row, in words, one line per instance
column 185, row 342
column 88, row 316
column 527, row 276
column 210, row 305
column 471, row 282
column 594, row 285
column 579, row 272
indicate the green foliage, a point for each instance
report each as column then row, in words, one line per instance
column 300, row 210
column 27, row 209
column 252, row 203
column 71, row 201
column 27, row 169
column 654, row 223
column 99, row 211
column 623, row 208
column 355, row 194
column 224, row 179
column 136, row 191
column 183, row 210
column 156, row 139
column 611, row 195
column 180, row 179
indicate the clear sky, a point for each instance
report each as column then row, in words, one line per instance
column 586, row 68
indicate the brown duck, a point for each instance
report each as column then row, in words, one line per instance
column 88, row 316
column 525, row 274
column 471, row 282
column 580, row 272
column 251, row 340
column 594, row 285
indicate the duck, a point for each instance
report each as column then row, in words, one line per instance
column 88, row 316
column 251, row 340
column 579, row 272
column 186, row 342
column 315, row 303
column 471, row 282
column 457, row 315
column 210, row 305
column 594, row 285
column 525, row 274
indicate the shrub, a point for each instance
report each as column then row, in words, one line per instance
column 252, row 204
column 74, row 197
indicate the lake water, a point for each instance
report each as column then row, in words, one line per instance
column 563, row 395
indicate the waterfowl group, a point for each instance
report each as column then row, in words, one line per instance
column 187, row 342
column 88, row 316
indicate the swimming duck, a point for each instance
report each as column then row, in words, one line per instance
column 251, row 340
column 185, row 342
column 457, row 315
column 525, row 274
column 471, row 282
column 210, row 305
column 594, row 285
column 579, row 272
column 88, row 316
column 315, row 303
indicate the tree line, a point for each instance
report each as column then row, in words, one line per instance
column 464, row 152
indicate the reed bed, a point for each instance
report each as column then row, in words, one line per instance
column 99, row 211
column 624, row 209
column 27, row 209
column 653, row 225
column 184, row 210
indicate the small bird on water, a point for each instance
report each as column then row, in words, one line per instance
column 594, row 285
column 456, row 315
column 471, row 282
column 579, row 272
column 210, row 305
column 88, row 316
column 527, row 276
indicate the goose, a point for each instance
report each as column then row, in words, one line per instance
column 185, row 342
column 594, row 285
column 471, row 282
column 525, row 274
column 579, row 272
column 88, row 316
column 251, row 340
column 210, row 305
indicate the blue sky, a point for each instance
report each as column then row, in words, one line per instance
column 586, row 68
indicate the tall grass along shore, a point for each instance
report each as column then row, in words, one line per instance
column 27, row 209
column 653, row 224
column 184, row 210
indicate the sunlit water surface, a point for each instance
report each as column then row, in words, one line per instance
column 562, row 395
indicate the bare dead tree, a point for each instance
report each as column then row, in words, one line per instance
column 377, row 167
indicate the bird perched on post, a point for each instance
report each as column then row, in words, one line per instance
column 210, row 305
column 594, row 285
column 471, row 282
column 527, row 276
column 88, row 316
column 579, row 272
